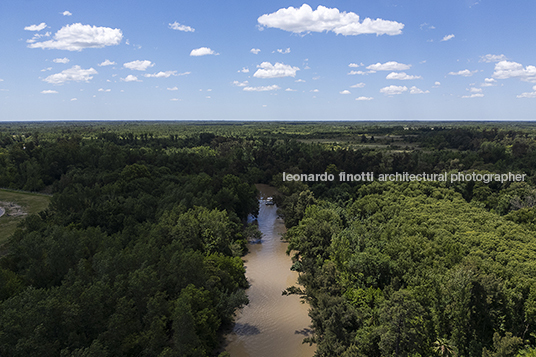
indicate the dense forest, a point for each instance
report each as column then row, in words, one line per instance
column 139, row 252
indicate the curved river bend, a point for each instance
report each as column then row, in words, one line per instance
column 271, row 324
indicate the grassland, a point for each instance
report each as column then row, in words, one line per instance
column 30, row 203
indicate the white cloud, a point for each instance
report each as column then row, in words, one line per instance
column 489, row 82
column 255, row 51
column 107, row 63
column 436, row 84
column 176, row 100
column 304, row 19
column 39, row 27
column 66, row 13
column 240, row 84
column 353, row 65
column 392, row 90
column 475, row 95
column 161, row 74
column 244, row 70
column 358, row 85
column 299, row 81
column 174, row 88
column 364, row 98
column 76, row 37
column 283, row 51
column 46, row 69
column 448, row 37
column 37, row 36
column 528, row 94
column 401, row 76
column 262, row 88
column 475, row 90
column 74, row 99
column 179, row 27
column 104, row 90
column 415, row 90
column 463, row 73
column 278, row 70
column 138, row 65
column 72, row 74
column 346, row 91
column 202, row 51
column 492, row 58
column 314, row 90
column 507, row 69
column 389, row 66
column 49, row 91
column 290, row 90
column 360, row 72
column 130, row 78
column 61, row 60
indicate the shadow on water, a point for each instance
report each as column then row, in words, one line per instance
column 306, row 332
column 246, row 329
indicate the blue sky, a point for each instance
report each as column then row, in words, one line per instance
column 283, row 60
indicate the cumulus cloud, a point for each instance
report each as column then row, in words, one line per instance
column 244, row 70
column 39, row 27
column 415, row 90
column 161, row 74
column 353, row 65
column 262, row 88
column 61, row 60
column 528, row 94
column 401, row 76
column 75, row 73
column 489, row 82
column 492, row 58
column 475, row 90
column 37, row 36
column 202, row 51
column 107, row 63
column 364, row 98
column 74, row 99
column 66, row 13
column 448, row 37
column 76, row 37
column 392, row 90
column 174, row 88
column 130, row 78
column 283, row 51
column 179, row 27
column 507, row 69
column 104, row 90
column 474, row 95
column 389, row 66
column 304, row 19
column 360, row 72
column 278, row 70
column 358, row 85
column 346, row 91
column 240, row 84
column 138, row 65
column 463, row 73
column 255, row 51
column 49, row 91
column 290, row 90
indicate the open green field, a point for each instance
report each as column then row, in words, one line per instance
column 29, row 202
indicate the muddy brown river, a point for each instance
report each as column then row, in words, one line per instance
column 271, row 324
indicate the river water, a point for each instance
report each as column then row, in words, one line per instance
column 271, row 324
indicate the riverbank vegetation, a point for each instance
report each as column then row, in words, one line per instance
column 138, row 253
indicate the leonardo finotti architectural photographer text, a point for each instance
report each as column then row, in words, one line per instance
column 406, row 177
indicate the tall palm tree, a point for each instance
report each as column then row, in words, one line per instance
column 444, row 348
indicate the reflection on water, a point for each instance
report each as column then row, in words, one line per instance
column 271, row 324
